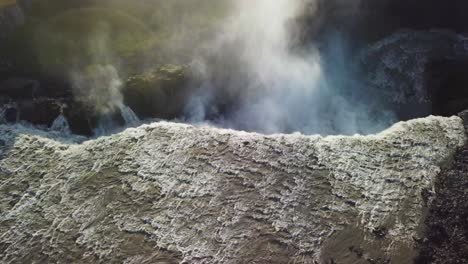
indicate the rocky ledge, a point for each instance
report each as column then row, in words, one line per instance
column 173, row 193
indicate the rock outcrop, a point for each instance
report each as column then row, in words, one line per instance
column 162, row 92
column 446, row 232
column 159, row 93
column 370, row 20
column 173, row 193
column 402, row 68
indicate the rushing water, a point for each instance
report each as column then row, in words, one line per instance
column 277, row 86
column 61, row 125
column 130, row 118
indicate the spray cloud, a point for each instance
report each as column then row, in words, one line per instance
column 256, row 79
column 98, row 85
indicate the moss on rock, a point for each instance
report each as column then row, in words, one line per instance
column 160, row 92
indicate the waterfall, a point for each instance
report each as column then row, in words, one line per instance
column 61, row 125
column 130, row 118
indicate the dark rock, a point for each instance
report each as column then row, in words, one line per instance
column 80, row 119
column 403, row 68
column 17, row 88
column 41, row 111
column 160, row 93
column 370, row 20
column 44, row 110
column 54, row 86
column 11, row 114
column 447, row 80
column 446, row 230
column 11, row 16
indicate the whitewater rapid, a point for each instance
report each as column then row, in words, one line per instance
column 181, row 193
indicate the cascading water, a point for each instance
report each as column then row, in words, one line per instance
column 101, row 90
column 130, row 118
column 61, row 125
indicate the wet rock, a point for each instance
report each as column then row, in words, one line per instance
column 10, row 114
column 173, row 193
column 446, row 226
column 371, row 20
column 42, row 111
column 401, row 68
column 80, row 119
column 159, row 93
column 11, row 16
column 20, row 88
column 446, row 80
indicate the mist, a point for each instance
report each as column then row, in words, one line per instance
column 100, row 88
column 257, row 76
column 262, row 66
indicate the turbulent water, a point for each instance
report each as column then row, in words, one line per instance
column 130, row 118
column 271, row 85
column 61, row 125
column 175, row 193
